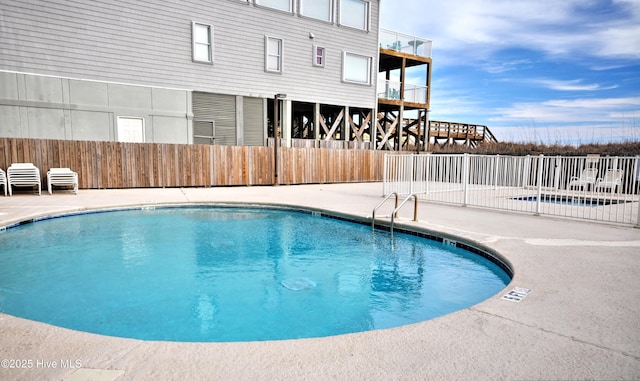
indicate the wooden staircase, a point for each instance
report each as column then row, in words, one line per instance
column 440, row 133
column 445, row 133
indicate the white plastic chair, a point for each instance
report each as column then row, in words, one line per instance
column 3, row 181
column 587, row 178
column 23, row 174
column 62, row 177
column 612, row 180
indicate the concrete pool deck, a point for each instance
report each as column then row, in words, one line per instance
column 580, row 321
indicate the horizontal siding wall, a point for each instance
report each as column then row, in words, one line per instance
column 149, row 43
column 102, row 165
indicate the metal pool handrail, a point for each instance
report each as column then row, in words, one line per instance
column 373, row 213
column 415, row 209
column 397, row 208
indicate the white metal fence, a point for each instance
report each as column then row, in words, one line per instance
column 593, row 188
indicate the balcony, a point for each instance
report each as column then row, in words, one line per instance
column 391, row 90
column 388, row 89
column 405, row 44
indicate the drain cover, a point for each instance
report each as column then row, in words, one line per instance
column 517, row 294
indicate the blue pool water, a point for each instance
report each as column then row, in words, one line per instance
column 214, row 274
column 571, row 200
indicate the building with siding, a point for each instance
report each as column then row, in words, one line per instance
column 189, row 71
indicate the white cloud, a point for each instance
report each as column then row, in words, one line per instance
column 449, row 103
column 570, row 85
column 503, row 66
column 623, row 41
column 579, row 111
column 598, row 104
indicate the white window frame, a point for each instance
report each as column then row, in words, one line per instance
column 268, row 53
column 290, row 10
column 346, row 54
column 367, row 16
column 331, row 11
column 323, row 57
column 195, row 43
column 122, row 126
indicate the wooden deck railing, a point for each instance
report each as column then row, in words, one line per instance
column 148, row 165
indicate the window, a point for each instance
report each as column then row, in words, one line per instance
column 273, row 54
column 356, row 68
column 202, row 42
column 283, row 5
column 130, row 130
column 317, row 9
column 355, row 14
column 318, row 56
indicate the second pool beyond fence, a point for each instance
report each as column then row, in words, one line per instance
column 588, row 187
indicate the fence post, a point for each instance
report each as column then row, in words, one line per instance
column 556, row 172
column 539, row 184
column 526, row 171
column 465, row 178
column 412, row 173
column 427, row 171
column 384, row 174
column 497, row 173
column 636, row 178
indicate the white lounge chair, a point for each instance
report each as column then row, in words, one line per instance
column 23, row 174
column 3, row 181
column 587, row 178
column 62, row 177
column 612, row 180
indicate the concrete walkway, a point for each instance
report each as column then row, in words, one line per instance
column 581, row 320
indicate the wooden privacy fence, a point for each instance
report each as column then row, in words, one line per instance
column 149, row 165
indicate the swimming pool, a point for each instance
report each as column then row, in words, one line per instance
column 218, row 274
column 580, row 200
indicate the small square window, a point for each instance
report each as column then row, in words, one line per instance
column 273, row 54
column 202, row 36
column 130, row 129
column 318, row 56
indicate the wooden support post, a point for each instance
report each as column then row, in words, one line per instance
column 427, row 128
column 418, row 135
column 402, row 78
column 347, row 124
column 316, row 121
column 399, row 128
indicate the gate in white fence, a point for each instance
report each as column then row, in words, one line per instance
column 589, row 187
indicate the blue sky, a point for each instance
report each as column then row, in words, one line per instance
column 543, row 71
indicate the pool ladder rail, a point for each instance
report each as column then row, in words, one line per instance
column 397, row 207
